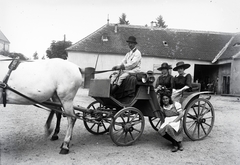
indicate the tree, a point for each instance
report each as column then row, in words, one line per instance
column 122, row 19
column 58, row 49
column 160, row 22
column 35, row 56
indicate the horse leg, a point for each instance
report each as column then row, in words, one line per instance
column 57, row 129
column 58, row 115
column 68, row 137
column 71, row 121
column 48, row 131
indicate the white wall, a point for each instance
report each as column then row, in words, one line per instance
column 106, row 62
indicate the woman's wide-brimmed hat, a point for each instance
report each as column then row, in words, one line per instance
column 132, row 39
column 164, row 66
column 181, row 64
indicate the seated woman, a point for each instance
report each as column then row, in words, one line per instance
column 181, row 82
column 172, row 128
column 165, row 80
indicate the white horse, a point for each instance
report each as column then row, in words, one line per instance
column 41, row 80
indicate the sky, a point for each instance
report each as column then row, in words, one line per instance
column 32, row 25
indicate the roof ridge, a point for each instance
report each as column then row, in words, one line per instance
column 87, row 36
column 172, row 29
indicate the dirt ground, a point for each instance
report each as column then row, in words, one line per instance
column 22, row 140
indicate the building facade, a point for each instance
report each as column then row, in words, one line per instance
column 4, row 42
column 214, row 62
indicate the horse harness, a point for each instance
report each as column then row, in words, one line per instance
column 12, row 66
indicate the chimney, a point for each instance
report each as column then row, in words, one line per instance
column 152, row 25
column 115, row 28
column 108, row 19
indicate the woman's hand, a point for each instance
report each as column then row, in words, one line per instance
column 158, row 88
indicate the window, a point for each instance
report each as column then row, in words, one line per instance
column 165, row 43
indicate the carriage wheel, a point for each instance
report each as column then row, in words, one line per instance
column 127, row 126
column 198, row 119
column 155, row 122
column 99, row 125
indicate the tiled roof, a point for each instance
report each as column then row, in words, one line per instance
column 179, row 44
column 233, row 49
column 3, row 37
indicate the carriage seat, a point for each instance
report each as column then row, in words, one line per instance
column 127, row 88
column 196, row 87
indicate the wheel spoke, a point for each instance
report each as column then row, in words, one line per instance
column 198, row 110
column 120, row 136
column 122, row 118
column 153, row 118
column 210, row 117
column 191, row 116
column 207, row 124
column 203, row 108
column 155, row 122
column 98, row 128
column 119, row 123
column 93, row 107
column 134, row 117
column 93, row 125
column 191, row 125
column 207, row 111
column 194, row 110
column 158, row 123
column 203, row 129
column 195, row 128
column 131, row 135
column 117, row 131
column 128, row 117
column 198, row 127
column 136, row 122
column 190, row 121
column 125, row 136
column 136, row 130
column 104, row 125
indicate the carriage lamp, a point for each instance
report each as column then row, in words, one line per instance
column 151, row 78
column 144, row 78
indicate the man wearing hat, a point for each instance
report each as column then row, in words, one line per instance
column 182, row 81
column 165, row 80
column 130, row 63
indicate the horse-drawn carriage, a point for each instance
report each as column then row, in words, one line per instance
column 124, row 117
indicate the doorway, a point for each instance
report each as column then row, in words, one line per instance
column 226, row 84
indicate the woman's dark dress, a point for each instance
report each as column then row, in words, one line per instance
column 181, row 81
column 166, row 81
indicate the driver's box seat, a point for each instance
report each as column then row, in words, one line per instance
column 127, row 88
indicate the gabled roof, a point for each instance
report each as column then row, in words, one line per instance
column 164, row 43
column 3, row 37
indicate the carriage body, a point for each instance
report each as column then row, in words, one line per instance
column 145, row 98
column 121, row 122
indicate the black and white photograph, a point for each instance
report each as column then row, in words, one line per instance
column 122, row 82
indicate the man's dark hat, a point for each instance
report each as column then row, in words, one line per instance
column 164, row 66
column 181, row 65
column 132, row 39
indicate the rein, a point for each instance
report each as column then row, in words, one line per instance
column 12, row 66
column 103, row 71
